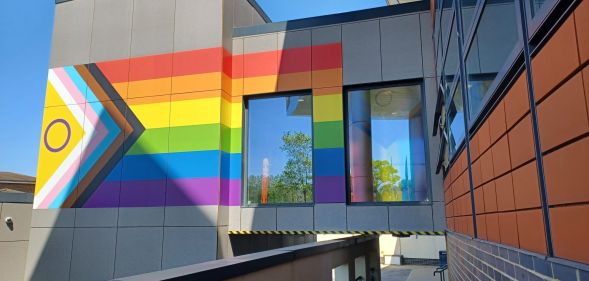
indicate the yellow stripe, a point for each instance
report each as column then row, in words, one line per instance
column 231, row 113
column 327, row 108
column 152, row 115
column 195, row 112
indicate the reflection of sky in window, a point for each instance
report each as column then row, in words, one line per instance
column 457, row 128
column 267, row 123
column 390, row 141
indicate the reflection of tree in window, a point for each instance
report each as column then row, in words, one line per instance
column 279, row 150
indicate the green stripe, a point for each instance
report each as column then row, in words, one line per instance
column 230, row 139
column 151, row 141
column 181, row 139
column 328, row 134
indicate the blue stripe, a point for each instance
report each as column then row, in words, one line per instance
column 194, row 164
column 328, row 162
column 231, row 165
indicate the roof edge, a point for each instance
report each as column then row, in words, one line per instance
column 260, row 11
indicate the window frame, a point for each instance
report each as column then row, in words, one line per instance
column 245, row 143
column 426, row 137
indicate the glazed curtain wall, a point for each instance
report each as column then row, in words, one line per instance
column 531, row 193
column 165, row 130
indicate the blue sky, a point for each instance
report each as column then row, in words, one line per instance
column 25, row 41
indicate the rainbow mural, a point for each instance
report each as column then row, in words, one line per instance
column 165, row 130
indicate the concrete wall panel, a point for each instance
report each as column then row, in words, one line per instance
column 361, row 52
column 367, row 218
column 72, row 29
column 93, row 255
column 188, row 245
column 191, row 216
column 13, row 256
column 139, row 250
column 53, row 217
column 111, row 30
column 153, row 27
column 96, row 217
column 330, row 216
column 410, row 218
column 294, row 218
column 198, row 24
column 148, row 216
column 258, row 218
column 401, row 47
column 49, row 254
column 21, row 217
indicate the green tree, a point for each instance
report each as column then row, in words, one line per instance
column 386, row 181
column 295, row 183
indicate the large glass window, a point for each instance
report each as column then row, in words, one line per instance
column 495, row 39
column 279, row 150
column 386, row 149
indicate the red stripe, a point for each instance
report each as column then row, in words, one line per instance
column 327, row 56
column 260, row 64
column 115, row 71
column 198, row 61
column 294, row 60
column 237, row 66
column 151, row 67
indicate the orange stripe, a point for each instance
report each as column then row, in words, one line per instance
column 151, row 87
column 327, row 78
column 196, row 82
column 327, row 91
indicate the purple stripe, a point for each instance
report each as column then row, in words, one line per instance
column 105, row 196
column 230, row 192
column 330, row 189
column 191, row 192
column 143, row 193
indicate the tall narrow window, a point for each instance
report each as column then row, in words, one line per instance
column 386, row 148
column 279, row 150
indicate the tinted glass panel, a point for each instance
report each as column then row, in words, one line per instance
column 279, row 150
column 386, row 145
column 494, row 41
column 455, row 121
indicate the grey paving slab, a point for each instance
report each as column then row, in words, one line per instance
column 361, row 52
column 111, row 30
column 93, row 255
column 188, row 245
column 401, row 47
column 139, row 250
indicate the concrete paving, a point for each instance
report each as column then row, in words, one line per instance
column 408, row 273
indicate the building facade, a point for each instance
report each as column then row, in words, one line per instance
column 174, row 129
column 512, row 119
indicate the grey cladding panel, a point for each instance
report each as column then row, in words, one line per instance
column 439, row 216
column 427, row 45
column 326, row 35
column 49, row 254
column 198, row 24
column 258, row 218
column 72, row 31
column 93, row 256
column 330, row 216
column 406, row 218
column 21, row 217
column 96, row 217
column 294, row 39
column 139, row 250
column 367, row 218
column 111, row 30
column 294, row 218
column 260, row 43
column 53, row 217
column 191, row 216
column 243, row 13
column 361, row 52
column 153, row 27
column 141, row 216
column 401, row 47
column 189, row 245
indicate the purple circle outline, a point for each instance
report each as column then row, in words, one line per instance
column 67, row 140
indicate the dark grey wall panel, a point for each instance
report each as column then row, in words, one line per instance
column 243, row 13
column 367, row 218
column 326, row 35
column 294, row 39
column 430, row 92
column 72, row 29
column 111, row 30
column 188, row 245
column 93, row 255
column 401, row 47
column 139, row 250
column 260, row 43
column 361, row 52
column 198, row 24
column 294, row 218
column 153, row 27
column 427, row 45
column 410, row 217
column 49, row 254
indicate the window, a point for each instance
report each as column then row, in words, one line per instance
column 455, row 121
column 279, row 150
column 386, row 148
column 495, row 39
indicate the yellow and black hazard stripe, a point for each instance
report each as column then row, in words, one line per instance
column 361, row 232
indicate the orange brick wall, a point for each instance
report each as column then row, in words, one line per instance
column 504, row 167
